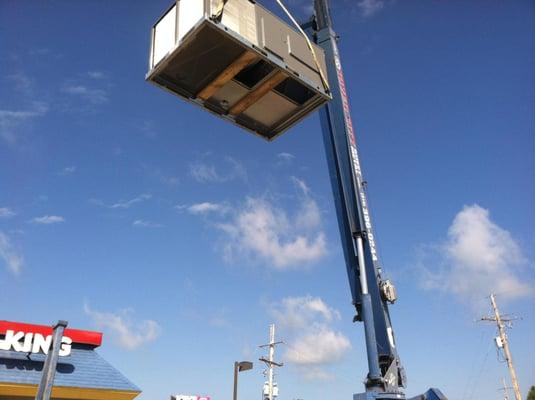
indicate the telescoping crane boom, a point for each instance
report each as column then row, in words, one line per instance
column 238, row 61
column 370, row 292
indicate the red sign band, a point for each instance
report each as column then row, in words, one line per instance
column 77, row 336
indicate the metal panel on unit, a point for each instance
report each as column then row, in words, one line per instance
column 237, row 60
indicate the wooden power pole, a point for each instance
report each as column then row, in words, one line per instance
column 504, row 343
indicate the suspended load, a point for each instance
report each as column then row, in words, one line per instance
column 239, row 61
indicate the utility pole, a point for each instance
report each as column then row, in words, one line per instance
column 500, row 321
column 270, row 361
column 44, row 390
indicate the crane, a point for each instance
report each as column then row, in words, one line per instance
column 371, row 294
column 237, row 60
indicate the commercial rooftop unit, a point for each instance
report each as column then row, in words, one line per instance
column 238, row 61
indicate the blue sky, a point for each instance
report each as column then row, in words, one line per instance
column 181, row 237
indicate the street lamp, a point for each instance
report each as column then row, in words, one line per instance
column 239, row 367
column 44, row 391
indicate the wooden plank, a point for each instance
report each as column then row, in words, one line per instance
column 230, row 72
column 252, row 97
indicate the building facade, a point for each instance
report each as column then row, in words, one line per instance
column 81, row 373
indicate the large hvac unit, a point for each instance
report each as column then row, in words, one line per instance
column 239, row 61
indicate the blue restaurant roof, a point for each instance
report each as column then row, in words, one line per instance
column 83, row 368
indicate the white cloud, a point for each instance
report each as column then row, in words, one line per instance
column 230, row 170
column 315, row 373
column 96, row 74
column 20, row 115
column 11, row 119
column 159, row 175
column 268, row 233
column 170, row 180
column 301, row 184
column 68, row 170
column 146, row 224
column 6, row 212
column 127, row 333
column 263, row 231
column 220, row 319
column 322, row 346
column 204, row 173
column 12, row 259
column 123, row 203
column 131, row 202
column 309, row 215
column 93, row 95
column 285, row 157
column 207, row 207
column 48, row 219
column 39, row 52
column 478, row 258
column 369, row 8
column 307, row 324
column 148, row 128
column 296, row 313
column 21, row 81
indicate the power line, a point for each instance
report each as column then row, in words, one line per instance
column 472, row 374
column 505, row 389
column 480, row 372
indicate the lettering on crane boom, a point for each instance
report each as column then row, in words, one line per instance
column 354, row 155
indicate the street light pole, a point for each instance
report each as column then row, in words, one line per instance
column 49, row 370
column 235, row 392
column 239, row 367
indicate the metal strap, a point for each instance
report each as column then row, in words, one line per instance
column 218, row 9
column 309, row 44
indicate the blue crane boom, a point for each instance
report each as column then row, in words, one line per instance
column 240, row 73
column 371, row 293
